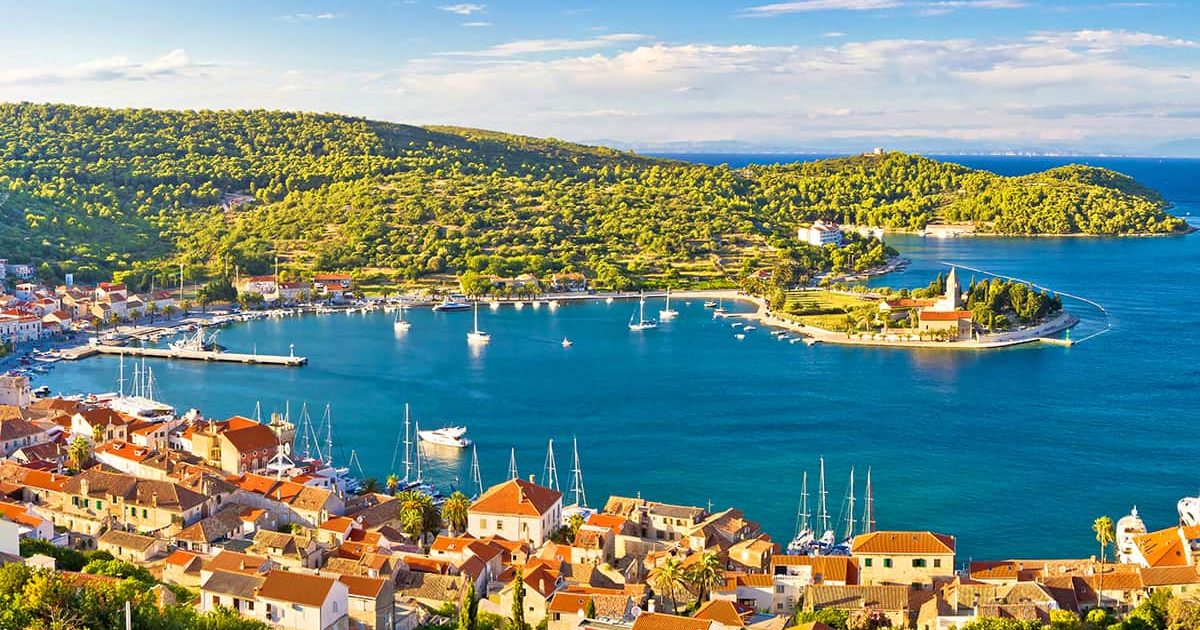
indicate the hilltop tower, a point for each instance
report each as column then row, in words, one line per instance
column 951, row 300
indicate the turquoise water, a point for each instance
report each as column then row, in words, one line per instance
column 1013, row 451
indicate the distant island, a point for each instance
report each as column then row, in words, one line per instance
column 96, row 192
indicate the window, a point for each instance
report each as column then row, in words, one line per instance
column 335, row 606
column 499, row 525
column 143, row 512
column 779, row 589
column 918, row 563
column 133, row 511
column 866, row 562
column 937, row 563
column 887, row 563
column 483, row 523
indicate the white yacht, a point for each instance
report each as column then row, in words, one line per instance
column 478, row 336
column 450, row 305
column 567, row 343
column 455, row 437
column 641, row 323
column 667, row 313
column 401, row 324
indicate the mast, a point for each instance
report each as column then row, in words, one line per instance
column 407, row 447
column 824, row 513
column 476, row 316
column 396, row 450
column 121, row 374
column 577, row 477
column 475, row 476
column 417, row 449
column 306, row 429
column 550, row 470
column 868, row 517
column 329, row 434
column 512, row 464
column 850, row 508
column 803, row 506
column 258, row 411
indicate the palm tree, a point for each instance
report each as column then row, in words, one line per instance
column 392, row 483
column 370, row 485
column 454, row 511
column 418, row 514
column 1105, row 534
column 705, row 574
column 574, row 522
column 79, row 452
column 668, row 579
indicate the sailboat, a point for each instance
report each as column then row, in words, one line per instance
column 868, row 517
column 848, row 537
column 477, row 336
column 401, row 324
column 827, row 535
column 667, row 313
column 720, row 310
column 802, row 543
column 642, row 323
column 476, row 478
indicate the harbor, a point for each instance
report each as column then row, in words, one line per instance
column 82, row 352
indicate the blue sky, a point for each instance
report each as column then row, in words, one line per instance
column 1076, row 75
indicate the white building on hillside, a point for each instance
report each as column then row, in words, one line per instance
column 821, row 233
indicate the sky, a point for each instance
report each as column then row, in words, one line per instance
column 1085, row 76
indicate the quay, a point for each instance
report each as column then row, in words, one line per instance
column 81, row 352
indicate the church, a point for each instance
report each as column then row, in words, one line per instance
column 947, row 313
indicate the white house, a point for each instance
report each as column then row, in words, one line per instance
column 516, row 510
column 821, row 233
column 309, row 602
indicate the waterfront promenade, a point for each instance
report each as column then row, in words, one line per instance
column 80, row 352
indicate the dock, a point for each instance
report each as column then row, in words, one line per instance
column 72, row 354
column 1057, row 342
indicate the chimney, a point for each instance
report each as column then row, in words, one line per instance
column 84, row 486
column 542, row 585
column 650, row 605
column 154, row 499
column 532, row 478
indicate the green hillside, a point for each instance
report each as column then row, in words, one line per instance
column 93, row 191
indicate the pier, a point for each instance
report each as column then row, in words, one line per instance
column 72, row 354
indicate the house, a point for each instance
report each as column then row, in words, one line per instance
column 821, row 233
column 573, row 282
column 752, row 555
column 20, row 328
column 566, row 609
column 201, row 536
column 237, row 445
column 654, row 521
column 892, row 601
column 332, row 285
column 291, row 551
column 101, row 424
column 293, row 292
column 907, row 558
column 302, row 601
column 542, row 580
column 661, row 621
column 131, row 547
column 371, row 602
column 183, row 568
column 122, row 456
column 15, row 391
column 258, row 285
column 793, row 574
column 236, row 562
column 96, row 499
column 516, row 510
column 288, row 501
column 29, row 523
column 233, row 590
column 18, row 433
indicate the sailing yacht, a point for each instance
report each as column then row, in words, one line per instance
column 720, row 310
column 805, row 536
column 667, row 313
column 477, row 336
column 401, row 324
column 642, row 323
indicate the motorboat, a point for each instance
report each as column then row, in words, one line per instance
column 454, row 437
column 740, row 336
column 450, row 305
column 567, row 343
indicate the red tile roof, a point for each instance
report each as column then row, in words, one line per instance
column 517, row 497
column 945, row 316
column 299, row 588
column 902, row 543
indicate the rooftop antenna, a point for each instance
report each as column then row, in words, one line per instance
column 475, row 476
column 577, row 477
column 823, row 510
column 868, row 518
column 550, row 471
column 850, row 508
column 512, row 464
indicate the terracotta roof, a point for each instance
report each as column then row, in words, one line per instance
column 517, row 497
column 613, row 605
column 887, row 598
column 945, row 316
column 613, row 522
column 18, row 428
column 363, row 586
column 1163, row 548
column 909, row 303
column 127, row 540
column 182, row 558
column 903, row 543
column 20, row 514
column 241, row 585
column 236, row 562
column 722, row 611
column 252, row 437
column 430, row 586
column 103, row 416
column 125, row 450
column 662, row 621
column 298, row 588
column 755, row 580
column 1169, row 576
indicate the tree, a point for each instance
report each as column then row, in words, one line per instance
column 1105, row 534
column 120, row 569
column 392, row 482
column 518, row 602
column 468, row 612
column 418, row 515
column 668, row 579
column 1182, row 614
column 706, row 573
column 832, row 617
column 454, row 511
column 79, row 452
column 868, row 619
column 589, row 611
column 574, row 522
column 370, row 485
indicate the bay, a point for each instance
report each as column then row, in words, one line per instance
column 1013, row 451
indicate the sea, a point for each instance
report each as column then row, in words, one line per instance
column 1013, row 451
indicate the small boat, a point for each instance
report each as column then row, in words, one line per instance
column 608, row 300
column 447, row 436
column 554, row 304
column 737, row 325
column 796, row 340
column 710, row 304
column 748, row 327
column 642, row 323
column 494, row 305
column 518, row 305
column 41, row 392
column 536, row 305
column 401, row 324
column 720, row 310
column 667, row 313
column 740, row 336
column 449, row 305
column 478, row 337
column 811, row 341
column 567, row 343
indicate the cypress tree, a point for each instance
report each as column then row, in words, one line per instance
column 518, row 606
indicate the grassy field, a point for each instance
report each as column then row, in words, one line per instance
column 824, row 309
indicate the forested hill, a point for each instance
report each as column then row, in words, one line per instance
column 93, row 190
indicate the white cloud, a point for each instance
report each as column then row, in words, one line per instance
column 805, row 6
column 119, row 68
column 533, row 46
column 309, row 17
column 1110, row 40
column 476, row 24
column 464, row 8
column 832, row 34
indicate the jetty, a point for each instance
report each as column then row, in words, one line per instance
column 81, row 352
